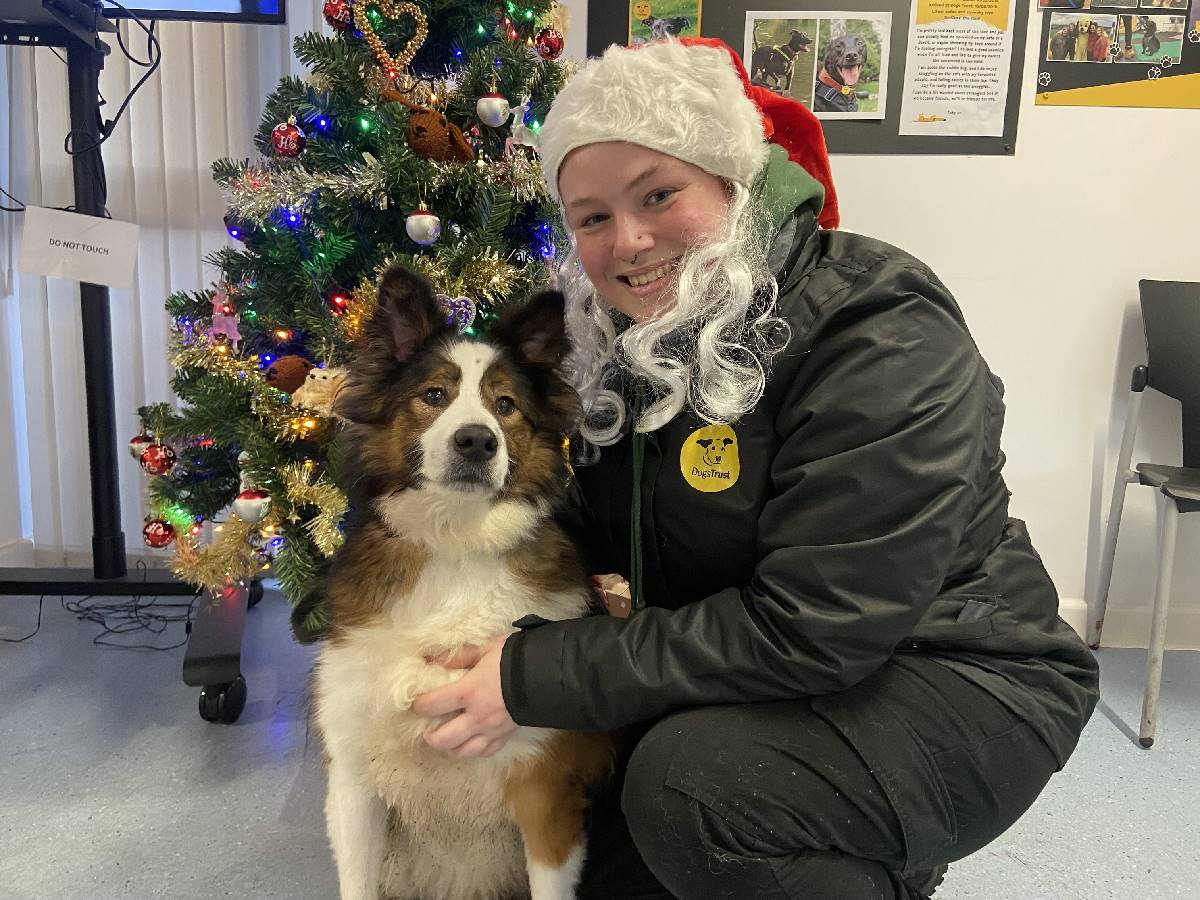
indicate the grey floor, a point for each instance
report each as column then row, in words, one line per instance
column 111, row 786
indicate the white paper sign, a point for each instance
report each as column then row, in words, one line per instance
column 78, row 248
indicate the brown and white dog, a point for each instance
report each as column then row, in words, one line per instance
column 456, row 455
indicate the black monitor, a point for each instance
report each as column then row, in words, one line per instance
column 271, row 11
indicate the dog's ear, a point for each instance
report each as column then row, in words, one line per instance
column 408, row 314
column 536, row 329
column 407, row 317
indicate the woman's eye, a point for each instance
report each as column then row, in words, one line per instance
column 591, row 220
column 505, row 406
column 434, row 397
column 662, row 195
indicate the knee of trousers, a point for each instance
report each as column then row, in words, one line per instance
column 666, row 822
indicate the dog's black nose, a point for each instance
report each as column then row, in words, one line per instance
column 475, row 443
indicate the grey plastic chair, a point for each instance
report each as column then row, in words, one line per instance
column 1171, row 313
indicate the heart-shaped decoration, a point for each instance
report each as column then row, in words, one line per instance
column 392, row 65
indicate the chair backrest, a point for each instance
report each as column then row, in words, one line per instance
column 1171, row 313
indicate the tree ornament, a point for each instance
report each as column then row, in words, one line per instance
column 492, row 109
column 287, row 373
column 430, row 134
column 252, row 505
column 423, row 226
column 460, row 311
column 158, row 533
column 288, row 138
column 224, row 318
column 549, row 43
column 392, row 65
column 339, row 14
column 320, row 389
column 138, row 444
column 157, row 459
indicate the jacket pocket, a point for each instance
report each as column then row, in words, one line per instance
column 960, row 617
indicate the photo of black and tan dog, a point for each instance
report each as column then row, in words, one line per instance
column 456, row 455
column 842, row 62
column 773, row 65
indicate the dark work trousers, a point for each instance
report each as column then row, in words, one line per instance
column 861, row 795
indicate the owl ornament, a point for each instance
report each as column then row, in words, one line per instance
column 319, row 390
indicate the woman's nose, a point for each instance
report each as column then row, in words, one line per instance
column 631, row 239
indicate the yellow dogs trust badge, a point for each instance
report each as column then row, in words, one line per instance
column 709, row 459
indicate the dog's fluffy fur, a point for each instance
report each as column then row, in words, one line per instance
column 456, row 455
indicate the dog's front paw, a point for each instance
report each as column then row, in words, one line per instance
column 419, row 677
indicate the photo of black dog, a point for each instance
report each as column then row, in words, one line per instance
column 661, row 28
column 772, row 66
column 1150, row 42
column 841, row 66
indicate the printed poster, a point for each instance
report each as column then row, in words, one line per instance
column 956, row 73
column 835, row 63
column 1121, row 54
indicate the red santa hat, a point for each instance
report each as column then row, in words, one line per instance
column 692, row 99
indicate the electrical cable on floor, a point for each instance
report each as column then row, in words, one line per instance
column 132, row 615
column 36, row 628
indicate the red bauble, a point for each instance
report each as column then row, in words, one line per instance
column 157, row 459
column 158, row 533
column 339, row 14
column 138, row 444
column 288, row 139
column 549, row 43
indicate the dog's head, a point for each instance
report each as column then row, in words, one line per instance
column 844, row 58
column 799, row 42
column 714, row 449
column 431, row 410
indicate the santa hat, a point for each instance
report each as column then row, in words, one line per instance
column 692, row 99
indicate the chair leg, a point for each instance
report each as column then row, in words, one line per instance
column 1158, row 630
column 1098, row 607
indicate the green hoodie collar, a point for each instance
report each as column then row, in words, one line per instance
column 782, row 186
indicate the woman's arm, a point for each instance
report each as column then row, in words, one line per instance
column 875, row 481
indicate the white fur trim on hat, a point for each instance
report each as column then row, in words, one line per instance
column 685, row 101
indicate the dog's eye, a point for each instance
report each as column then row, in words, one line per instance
column 505, row 406
column 434, row 397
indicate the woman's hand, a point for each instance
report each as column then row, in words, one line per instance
column 483, row 724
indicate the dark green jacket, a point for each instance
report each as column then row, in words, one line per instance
column 868, row 517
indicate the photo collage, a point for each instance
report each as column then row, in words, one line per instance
column 835, row 63
column 1119, row 31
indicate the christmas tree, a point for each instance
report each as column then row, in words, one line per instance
column 412, row 140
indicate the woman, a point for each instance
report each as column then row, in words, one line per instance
column 844, row 668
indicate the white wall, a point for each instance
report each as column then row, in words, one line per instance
column 1043, row 251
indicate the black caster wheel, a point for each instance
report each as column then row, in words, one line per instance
column 256, row 593
column 223, row 702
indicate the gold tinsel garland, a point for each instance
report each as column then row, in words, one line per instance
column 303, row 489
column 363, row 300
column 485, row 277
column 271, row 406
column 230, row 557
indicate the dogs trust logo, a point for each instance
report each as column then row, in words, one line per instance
column 709, row 460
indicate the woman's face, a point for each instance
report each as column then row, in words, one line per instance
column 625, row 202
